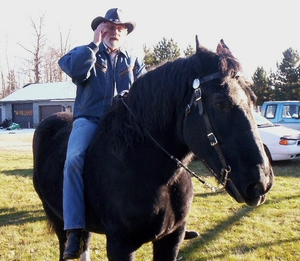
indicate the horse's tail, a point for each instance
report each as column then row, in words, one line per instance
column 43, row 140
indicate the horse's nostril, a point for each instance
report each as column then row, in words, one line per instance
column 255, row 190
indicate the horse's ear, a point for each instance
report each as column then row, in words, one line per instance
column 222, row 48
column 197, row 44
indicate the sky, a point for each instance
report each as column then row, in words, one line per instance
column 257, row 31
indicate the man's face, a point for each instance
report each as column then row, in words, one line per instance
column 115, row 35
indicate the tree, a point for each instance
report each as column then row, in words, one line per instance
column 37, row 53
column 64, row 48
column 52, row 71
column 149, row 58
column 189, row 51
column 289, row 66
column 261, row 85
column 287, row 77
column 3, row 84
column 165, row 50
column 12, row 84
column 9, row 82
column 44, row 62
column 284, row 84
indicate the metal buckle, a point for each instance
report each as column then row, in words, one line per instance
column 212, row 138
column 198, row 94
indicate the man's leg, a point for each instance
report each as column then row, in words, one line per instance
column 73, row 190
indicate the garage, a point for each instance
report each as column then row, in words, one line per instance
column 23, row 114
column 33, row 103
column 46, row 111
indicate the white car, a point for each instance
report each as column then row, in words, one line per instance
column 280, row 143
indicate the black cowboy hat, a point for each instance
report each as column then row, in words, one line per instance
column 113, row 15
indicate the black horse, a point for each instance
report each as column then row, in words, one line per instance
column 136, row 191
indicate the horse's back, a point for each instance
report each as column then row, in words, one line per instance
column 49, row 153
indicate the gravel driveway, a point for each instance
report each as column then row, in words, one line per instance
column 20, row 140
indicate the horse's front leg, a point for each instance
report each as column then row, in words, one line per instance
column 167, row 248
column 85, row 256
column 119, row 249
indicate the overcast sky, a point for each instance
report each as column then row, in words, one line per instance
column 256, row 31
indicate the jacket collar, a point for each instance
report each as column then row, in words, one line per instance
column 104, row 48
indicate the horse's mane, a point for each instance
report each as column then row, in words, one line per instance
column 160, row 95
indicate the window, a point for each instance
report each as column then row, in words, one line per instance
column 270, row 111
column 286, row 112
column 294, row 111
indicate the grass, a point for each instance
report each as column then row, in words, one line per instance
column 229, row 231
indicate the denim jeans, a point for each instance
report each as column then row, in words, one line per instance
column 73, row 190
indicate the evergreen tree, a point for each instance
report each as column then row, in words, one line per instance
column 261, row 85
column 166, row 50
column 189, row 51
column 289, row 66
column 287, row 79
column 149, row 58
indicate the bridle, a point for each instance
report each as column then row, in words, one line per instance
column 197, row 100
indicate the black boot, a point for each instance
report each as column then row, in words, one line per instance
column 190, row 234
column 74, row 244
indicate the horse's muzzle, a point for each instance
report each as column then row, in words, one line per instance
column 255, row 192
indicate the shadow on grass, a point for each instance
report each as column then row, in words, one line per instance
column 250, row 248
column 213, row 232
column 13, row 216
column 210, row 194
column 19, row 172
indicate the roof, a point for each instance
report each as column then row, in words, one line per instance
column 43, row 91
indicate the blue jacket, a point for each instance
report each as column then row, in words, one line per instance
column 90, row 68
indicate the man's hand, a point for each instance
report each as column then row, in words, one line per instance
column 100, row 33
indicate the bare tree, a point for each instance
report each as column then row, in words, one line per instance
column 52, row 72
column 42, row 66
column 3, row 83
column 37, row 52
column 64, row 48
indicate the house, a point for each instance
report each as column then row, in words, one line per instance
column 35, row 102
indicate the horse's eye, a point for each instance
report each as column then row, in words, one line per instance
column 220, row 105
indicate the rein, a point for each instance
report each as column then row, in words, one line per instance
column 197, row 97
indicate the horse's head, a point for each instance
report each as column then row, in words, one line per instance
column 221, row 108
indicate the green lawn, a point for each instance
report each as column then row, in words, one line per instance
column 229, row 231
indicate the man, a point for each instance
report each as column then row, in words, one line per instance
column 100, row 70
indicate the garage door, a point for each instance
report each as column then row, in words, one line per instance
column 46, row 111
column 22, row 114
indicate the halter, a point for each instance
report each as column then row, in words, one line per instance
column 197, row 98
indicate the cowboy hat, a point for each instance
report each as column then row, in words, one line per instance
column 113, row 15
